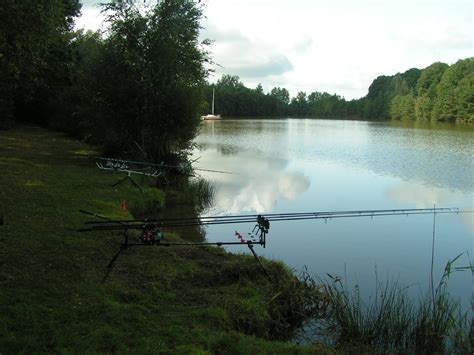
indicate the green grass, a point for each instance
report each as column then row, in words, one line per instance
column 185, row 300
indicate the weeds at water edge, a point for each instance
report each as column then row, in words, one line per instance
column 392, row 321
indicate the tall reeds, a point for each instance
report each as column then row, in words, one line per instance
column 393, row 321
column 197, row 192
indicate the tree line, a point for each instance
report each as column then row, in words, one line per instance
column 437, row 93
column 140, row 86
column 135, row 88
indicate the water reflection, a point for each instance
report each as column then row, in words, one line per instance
column 435, row 155
column 432, row 156
column 310, row 165
column 421, row 196
column 260, row 182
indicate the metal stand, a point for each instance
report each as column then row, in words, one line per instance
column 152, row 236
column 128, row 177
column 123, row 246
column 126, row 245
column 259, row 262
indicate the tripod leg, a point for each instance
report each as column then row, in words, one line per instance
column 135, row 184
column 111, row 263
column 259, row 262
column 120, row 181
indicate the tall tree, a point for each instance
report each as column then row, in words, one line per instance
column 454, row 99
column 426, row 90
column 151, row 76
column 299, row 105
column 34, row 55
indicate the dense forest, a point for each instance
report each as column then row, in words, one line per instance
column 437, row 93
column 138, row 86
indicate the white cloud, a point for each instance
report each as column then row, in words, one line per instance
column 426, row 197
column 260, row 183
column 338, row 46
column 421, row 196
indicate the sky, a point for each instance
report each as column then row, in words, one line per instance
column 337, row 46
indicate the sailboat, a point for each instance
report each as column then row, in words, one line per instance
column 211, row 116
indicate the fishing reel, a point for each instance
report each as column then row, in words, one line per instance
column 261, row 228
column 151, row 235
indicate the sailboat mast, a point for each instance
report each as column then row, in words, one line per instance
column 213, row 101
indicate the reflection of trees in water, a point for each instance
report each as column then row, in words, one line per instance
column 233, row 127
column 431, row 125
column 227, row 149
column 439, row 154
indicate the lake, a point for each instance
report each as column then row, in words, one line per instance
column 306, row 165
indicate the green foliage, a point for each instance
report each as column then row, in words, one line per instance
column 279, row 100
column 438, row 93
column 149, row 77
column 378, row 98
column 426, row 90
column 34, row 56
column 198, row 193
column 234, row 99
column 402, row 107
column 138, row 88
column 324, row 105
column 377, row 103
column 454, row 94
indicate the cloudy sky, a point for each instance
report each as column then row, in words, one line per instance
column 338, row 46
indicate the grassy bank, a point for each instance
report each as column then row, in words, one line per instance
column 156, row 299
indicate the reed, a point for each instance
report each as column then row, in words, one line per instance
column 392, row 321
column 197, row 192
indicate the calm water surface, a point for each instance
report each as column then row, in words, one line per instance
column 300, row 165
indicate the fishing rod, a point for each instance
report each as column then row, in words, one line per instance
column 216, row 220
column 161, row 165
column 152, row 235
column 283, row 215
column 130, row 168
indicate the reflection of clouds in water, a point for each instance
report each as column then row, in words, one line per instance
column 421, row 196
column 468, row 220
column 260, row 196
column 425, row 197
column 260, row 184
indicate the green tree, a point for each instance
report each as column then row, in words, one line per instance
column 281, row 94
column 454, row 92
column 279, row 101
column 426, row 90
column 229, row 95
column 384, row 88
column 150, row 78
column 378, row 98
column 402, row 107
column 77, row 111
column 34, row 56
column 299, row 105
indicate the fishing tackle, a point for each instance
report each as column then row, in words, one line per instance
column 143, row 168
column 152, row 235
